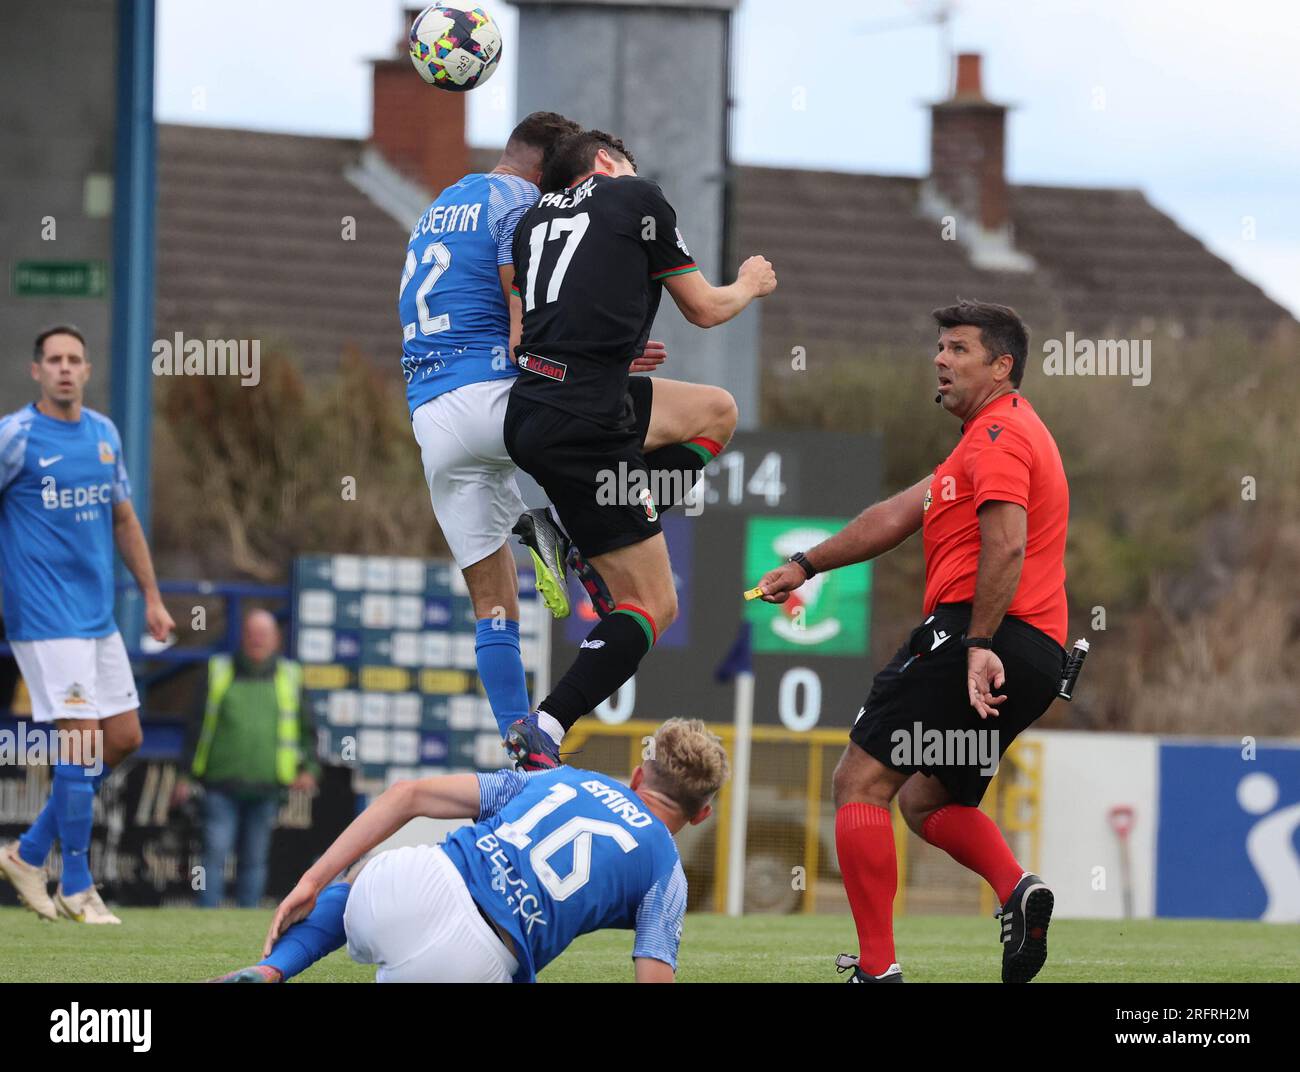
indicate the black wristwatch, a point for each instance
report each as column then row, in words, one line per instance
column 977, row 642
column 802, row 559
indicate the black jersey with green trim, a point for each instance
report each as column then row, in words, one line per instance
column 590, row 262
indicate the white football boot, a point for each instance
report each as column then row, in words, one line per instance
column 84, row 907
column 30, row 882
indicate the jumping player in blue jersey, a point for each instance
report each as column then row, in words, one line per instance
column 552, row 855
column 459, row 330
column 454, row 304
column 65, row 500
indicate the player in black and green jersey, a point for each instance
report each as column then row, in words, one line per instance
column 592, row 259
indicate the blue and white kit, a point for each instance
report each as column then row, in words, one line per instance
column 59, row 482
column 456, row 360
column 554, row 855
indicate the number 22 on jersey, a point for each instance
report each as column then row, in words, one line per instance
column 438, row 257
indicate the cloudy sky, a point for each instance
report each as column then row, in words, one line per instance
column 1196, row 102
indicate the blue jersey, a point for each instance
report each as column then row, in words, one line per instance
column 565, row 852
column 59, row 482
column 455, row 321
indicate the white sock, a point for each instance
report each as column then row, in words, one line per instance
column 552, row 727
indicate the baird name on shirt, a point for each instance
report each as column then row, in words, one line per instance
column 619, row 804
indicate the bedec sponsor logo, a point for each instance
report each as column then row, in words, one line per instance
column 75, row 497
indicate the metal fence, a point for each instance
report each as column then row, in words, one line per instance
column 790, row 860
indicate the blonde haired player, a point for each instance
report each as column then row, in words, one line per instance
column 550, row 855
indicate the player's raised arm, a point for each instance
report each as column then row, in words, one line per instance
column 707, row 306
column 879, row 528
column 516, row 307
column 450, row 796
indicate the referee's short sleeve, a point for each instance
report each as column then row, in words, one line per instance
column 999, row 464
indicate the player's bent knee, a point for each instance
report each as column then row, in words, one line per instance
column 914, row 810
column 123, row 741
column 853, row 781
column 723, row 415
column 664, row 611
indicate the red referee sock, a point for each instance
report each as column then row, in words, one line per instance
column 864, row 840
column 973, row 839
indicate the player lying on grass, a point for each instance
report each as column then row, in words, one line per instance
column 551, row 855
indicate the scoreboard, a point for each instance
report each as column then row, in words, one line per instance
column 387, row 647
column 767, row 495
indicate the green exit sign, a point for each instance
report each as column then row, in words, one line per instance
column 60, row 279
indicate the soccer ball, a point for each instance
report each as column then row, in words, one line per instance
column 455, row 47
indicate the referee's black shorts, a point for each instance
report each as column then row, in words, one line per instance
column 579, row 463
column 923, row 690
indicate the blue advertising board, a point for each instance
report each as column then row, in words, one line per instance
column 1228, row 844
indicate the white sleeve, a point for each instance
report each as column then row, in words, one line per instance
column 13, row 447
column 659, row 919
column 507, row 204
column 498, row 788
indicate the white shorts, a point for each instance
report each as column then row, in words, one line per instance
column 471, row 478
column 77, row 677
column 410, row 912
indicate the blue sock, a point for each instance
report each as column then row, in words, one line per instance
column 312, row 938
column 501, row 669
column 74, row 804
column 34, row 846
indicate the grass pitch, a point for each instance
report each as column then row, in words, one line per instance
column 189, row 944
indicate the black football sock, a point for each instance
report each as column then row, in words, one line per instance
column 608, row 657
column 674, row 469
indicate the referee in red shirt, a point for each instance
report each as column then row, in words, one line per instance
column 986, row 661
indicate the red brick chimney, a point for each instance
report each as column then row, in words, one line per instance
column 967, row 148
column 418, row 129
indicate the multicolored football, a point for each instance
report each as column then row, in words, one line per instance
column 455, row 47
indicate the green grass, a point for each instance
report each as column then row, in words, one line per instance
column 183, row 944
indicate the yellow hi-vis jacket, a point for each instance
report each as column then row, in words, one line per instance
column 288, row 681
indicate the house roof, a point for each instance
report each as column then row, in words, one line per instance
column 859, row 264
column 250, row 238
